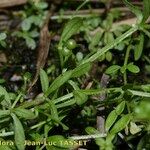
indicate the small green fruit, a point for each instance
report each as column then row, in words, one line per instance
column 71, row 44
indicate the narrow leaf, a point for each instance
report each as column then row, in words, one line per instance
column 71, row 28
column 91, row 130
column 110, row 120
column 112, row 69
column 4, row 113
column 119, row 109
column 19, row 133
column 59, row 81
column 121, row 124
column 81, row 70
column 133, row 68
column 66, row 103
column 24, row 113
column 93, row 91
column 44, row 80
column 139, row 47
column 113, row 115
column 140, row 93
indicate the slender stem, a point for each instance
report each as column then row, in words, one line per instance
column 125, row 78
column 38, row 125
column 147, row 59
column 16, row 101
column 127, row 55
column 125, row 64
column 86, row 137
column 61, row 57
column 6, row 134
column 100, row 52
column 42, row 147
column 70, row 16
column 80, row 6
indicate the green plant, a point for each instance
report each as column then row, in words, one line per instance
column 33, row 17
column 2, row 39
column 126, row 106
column 28, row 37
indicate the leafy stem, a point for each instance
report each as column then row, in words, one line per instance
column 100, row 52
column 68, row 96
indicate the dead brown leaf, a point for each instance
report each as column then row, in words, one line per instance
column 10, row 3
